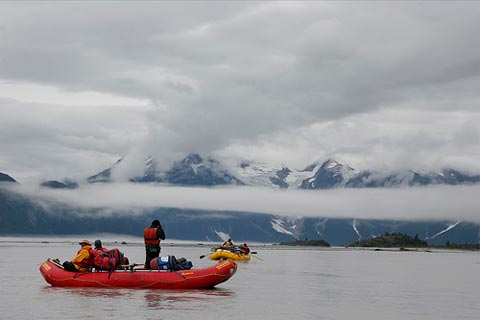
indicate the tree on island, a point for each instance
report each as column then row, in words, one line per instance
column 307, row 243
column 392, row 240
column 464, row 246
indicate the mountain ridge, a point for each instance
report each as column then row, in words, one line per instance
column 195, row 170
column 6, row 178
column 20, row 215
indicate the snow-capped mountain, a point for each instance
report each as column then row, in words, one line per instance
column 262, row 175
column 150, row 173
column 330, row 174
column 371, row 179
column 194, row 170
column 6, row 178
column 21, row 215
column 105, row 175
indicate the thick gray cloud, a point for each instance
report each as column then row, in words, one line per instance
column 389, row 85
column 437, row 203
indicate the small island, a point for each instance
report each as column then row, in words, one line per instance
column 307, row 243
column 461, row 246
column 392, row 240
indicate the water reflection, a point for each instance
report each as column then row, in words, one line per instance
column 185, row 299
column 88, row 292
column 154, row 299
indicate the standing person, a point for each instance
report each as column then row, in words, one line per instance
column 82, row 262
column 152, row 236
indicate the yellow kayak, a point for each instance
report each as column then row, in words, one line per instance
column 226, row 254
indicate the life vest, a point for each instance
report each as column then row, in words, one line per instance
column 85, row 263
column 150, row 237
column 245, row 249
column 94, row 252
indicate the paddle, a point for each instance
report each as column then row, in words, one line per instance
column 131, row 266
column 256, row 256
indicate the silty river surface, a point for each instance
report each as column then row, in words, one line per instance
column 278, row 283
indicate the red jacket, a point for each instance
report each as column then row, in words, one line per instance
column 245, row 249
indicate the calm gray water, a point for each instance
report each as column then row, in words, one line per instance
column 284, row 284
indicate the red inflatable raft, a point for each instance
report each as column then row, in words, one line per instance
column 209, row 277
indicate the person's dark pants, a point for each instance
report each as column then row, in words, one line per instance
column 67, row 265
column 151, row 253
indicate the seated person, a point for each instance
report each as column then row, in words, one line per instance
column 245, row 248
column 98, row 246
column 82, row 261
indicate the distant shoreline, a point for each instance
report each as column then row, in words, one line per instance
column 257, row 246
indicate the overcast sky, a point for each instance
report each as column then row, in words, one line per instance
column 372, row 84
column 382, row 85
